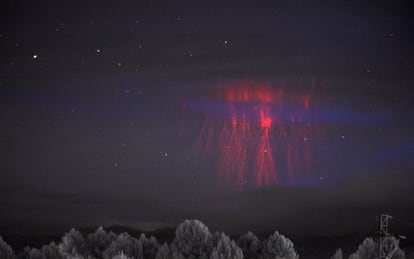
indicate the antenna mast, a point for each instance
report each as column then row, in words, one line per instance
column 384, row 245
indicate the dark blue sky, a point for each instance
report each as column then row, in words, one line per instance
column 102, row 104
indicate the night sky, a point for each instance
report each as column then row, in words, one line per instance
column 248, row 115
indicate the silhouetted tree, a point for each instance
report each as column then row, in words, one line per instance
column 99, row 241
column 225, row 248
column 123, row 244
column 6, row 251
column 192, row 240
column 121, row 255
column 338, row 254
column 369, row 249
column 148, row 247
column 50, row 251
column 73, row 245
column 278, row 246
column 250, row 245
column 30, row 253
column 163, row 252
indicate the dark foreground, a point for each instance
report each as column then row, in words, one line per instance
column 308, row 247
